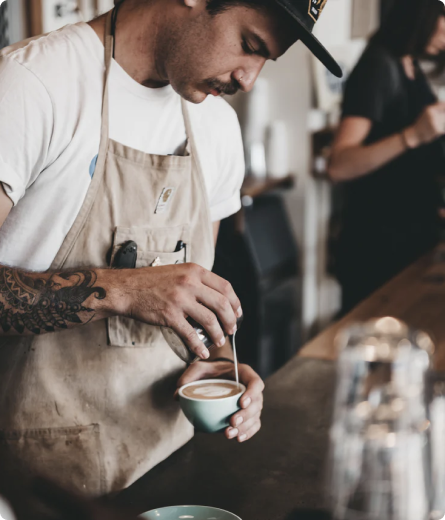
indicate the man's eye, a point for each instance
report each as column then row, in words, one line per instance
column 246, row 48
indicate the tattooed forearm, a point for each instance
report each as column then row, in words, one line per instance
column 31, row 303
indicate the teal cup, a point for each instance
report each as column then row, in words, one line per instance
column 192, row 512
column 210, row 415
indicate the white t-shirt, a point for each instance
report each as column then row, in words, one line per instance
column 51, row 91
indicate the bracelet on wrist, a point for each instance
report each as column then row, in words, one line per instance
column 405, row 140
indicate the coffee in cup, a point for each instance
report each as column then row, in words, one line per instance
column 216, row 390
column 210, row 404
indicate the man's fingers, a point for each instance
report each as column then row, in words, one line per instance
column 225, row 288
column 242, row 437
column 176, row 292
column 207, row 319
column 244, row 416
column 245, row 427
column 220, row 305
column 245, row 432
column 195, row 372
column 190, row 338
column 253, row 382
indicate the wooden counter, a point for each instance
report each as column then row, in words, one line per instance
column 279, row 474
column 416, row 296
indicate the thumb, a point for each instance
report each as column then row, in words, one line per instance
column 194, row 372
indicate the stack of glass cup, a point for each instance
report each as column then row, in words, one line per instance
column 380, row 465
column 436, row 402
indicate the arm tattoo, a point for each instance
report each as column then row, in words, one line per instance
column 29, row 303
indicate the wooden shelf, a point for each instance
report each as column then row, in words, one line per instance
column 34, row 22
column 254, row 187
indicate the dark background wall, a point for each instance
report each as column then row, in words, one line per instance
column 385, row 6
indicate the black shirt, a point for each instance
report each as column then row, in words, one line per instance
column 401, row 197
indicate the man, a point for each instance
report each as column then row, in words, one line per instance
column 91, row 162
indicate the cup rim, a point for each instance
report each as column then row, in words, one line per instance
column 207, row 507
column 203, row 381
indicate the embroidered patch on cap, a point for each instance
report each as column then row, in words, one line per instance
column 164, row 199
column 315, row 8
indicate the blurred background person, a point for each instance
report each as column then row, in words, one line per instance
column 387, row 152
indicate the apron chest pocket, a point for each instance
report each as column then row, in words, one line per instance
column 155, row 247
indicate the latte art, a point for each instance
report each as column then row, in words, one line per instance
column 211, row 390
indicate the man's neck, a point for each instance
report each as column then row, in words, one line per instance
column 137, row 28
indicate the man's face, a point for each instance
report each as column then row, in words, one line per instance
column 204, row 54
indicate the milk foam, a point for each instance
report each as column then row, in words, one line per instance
column 211, row 391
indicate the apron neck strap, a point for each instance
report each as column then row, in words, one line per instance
column 109, row 43
column 187, row 124
column 109, row 40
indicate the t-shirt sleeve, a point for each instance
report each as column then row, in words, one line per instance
column 371, row 86
column 225, row 197
column 26, row 122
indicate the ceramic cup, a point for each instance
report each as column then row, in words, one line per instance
column 210, row 415
column 192, row 512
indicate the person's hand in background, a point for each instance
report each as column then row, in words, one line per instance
column 429, row 126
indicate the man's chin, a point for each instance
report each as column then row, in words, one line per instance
column 192, row 95
column 196, row 97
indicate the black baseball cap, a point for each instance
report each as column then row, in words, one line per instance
column 306, row 13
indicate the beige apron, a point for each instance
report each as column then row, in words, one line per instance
column 93, row 406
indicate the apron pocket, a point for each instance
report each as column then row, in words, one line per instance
column 156, row 247
column 71, row 456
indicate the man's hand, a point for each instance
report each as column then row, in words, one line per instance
column 247, row 422
column 167, row 295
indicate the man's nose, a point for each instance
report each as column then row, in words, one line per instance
column 246, row 77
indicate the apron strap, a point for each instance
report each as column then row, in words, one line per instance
column 96, row 182
column 109, row 44
column 192, row 150
column 105, row 124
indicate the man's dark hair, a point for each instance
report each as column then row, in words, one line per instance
column 408, row 26
column 218, row 6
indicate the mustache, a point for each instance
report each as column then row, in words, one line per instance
column 228, row 89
